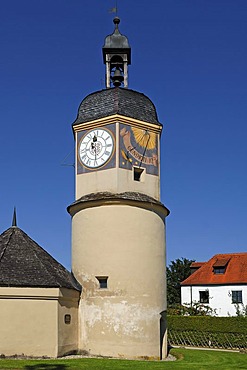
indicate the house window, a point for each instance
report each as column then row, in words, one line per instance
column 102, row 281
column 204, row 296
column 237, row 296
column 219, row 270
column 138, row 174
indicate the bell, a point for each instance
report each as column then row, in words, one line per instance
column 117, row 78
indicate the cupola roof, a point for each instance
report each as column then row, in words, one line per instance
column 116, row 40
column 116, row 100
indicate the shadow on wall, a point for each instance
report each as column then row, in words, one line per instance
column 163, row 328
column 45, row 367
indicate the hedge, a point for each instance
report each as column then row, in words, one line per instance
column 210, row 324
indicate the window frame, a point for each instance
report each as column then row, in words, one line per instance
column 220, row 270
column 204, row 299
column 138, row 173
column 237, row 296
column 103, row 282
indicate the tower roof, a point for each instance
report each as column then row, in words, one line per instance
column 23, row 263
column 116, row 42
column 116, row 100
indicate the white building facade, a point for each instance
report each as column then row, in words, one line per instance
column 223, row 299
column 220, row 283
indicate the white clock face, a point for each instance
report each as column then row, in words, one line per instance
column 96, row 148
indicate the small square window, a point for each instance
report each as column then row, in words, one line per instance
column 102, row 281
column 237, row 296
column 204, row 296
column 67, row 319
column 138, row 173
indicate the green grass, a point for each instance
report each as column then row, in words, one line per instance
column 186, row 359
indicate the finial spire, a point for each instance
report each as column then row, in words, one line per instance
column 116, row 21
column 14, row 222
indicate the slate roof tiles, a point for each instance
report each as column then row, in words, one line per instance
column 116, row 100
column 23, row 263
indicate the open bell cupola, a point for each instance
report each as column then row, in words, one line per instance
column 117, row 57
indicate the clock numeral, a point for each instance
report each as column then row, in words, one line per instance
column 88, row 162
column 95, row 163
column 83, row 157
column 107, row 153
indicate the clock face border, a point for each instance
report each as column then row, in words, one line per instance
column 138, row 147
column 92, row 153
column 109, row 163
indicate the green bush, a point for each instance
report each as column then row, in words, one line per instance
column 208, row 324
column 196, row 309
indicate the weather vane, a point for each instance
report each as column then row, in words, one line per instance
column 115, row 9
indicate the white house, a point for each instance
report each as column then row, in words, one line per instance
column 220, row 283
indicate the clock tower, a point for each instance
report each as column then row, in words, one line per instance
column 118, row 221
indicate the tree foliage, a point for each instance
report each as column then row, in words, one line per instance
column 177, row 271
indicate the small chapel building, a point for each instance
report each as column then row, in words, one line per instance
column 114, row 301
column 38, row 299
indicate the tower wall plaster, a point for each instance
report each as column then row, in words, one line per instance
column 127, row 245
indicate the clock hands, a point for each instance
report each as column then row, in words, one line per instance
column 94, row 147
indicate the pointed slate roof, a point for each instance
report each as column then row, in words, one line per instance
column 23, row 263
column 235, row 271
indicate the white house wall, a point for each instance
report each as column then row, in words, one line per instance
column 220, row 297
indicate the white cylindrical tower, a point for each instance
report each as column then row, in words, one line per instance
column 118, row 221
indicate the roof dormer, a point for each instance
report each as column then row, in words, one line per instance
column 219, row 267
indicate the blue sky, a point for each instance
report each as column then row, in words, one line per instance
column 188, row 56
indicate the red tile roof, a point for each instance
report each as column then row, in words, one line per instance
column 221, row 262
column 235, row 270
column 196, row 264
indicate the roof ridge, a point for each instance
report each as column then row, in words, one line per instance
column 5, row 247
column 116, row 99
column 227, row 255
column 41, row 262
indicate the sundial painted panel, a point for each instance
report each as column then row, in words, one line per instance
column 139, row 148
